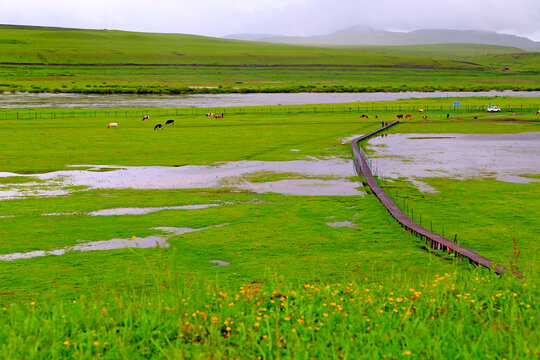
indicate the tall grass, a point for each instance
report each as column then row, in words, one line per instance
column 465, row 315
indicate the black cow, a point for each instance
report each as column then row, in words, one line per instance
column 158, row 126
column 169, row 122
column 145, row 117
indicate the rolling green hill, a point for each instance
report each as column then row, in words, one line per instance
column 42, row 59
column 74, row 46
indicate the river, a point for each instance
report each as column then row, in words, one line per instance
column 93, row 101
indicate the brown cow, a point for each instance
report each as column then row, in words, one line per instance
column 538, row 112
column 400, row 116
column 408, row 116
column 420, row 110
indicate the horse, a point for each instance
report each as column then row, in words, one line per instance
column 158, row 126
column 111, row 125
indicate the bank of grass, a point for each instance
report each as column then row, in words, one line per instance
column 481, row 214
column 217, row 80
column 465, row 315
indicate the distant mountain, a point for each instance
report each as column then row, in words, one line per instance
column 363, row 35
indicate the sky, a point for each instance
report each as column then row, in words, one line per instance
column 285, row 17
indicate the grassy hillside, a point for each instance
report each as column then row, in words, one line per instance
column 493, row 57
column 449, row 51
column 73, row 46
column 36, row 59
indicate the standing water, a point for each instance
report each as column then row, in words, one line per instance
column 94, row 101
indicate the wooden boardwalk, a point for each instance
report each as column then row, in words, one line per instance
column 435, row 241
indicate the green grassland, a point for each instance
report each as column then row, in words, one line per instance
column 490, row 56
column 71, row 46
column 370, row 291
column 100, row 61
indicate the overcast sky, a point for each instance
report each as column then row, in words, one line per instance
column 286, row 17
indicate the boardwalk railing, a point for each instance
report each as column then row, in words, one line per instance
column 434, row 240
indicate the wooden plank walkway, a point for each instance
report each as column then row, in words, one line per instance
column 434, row 240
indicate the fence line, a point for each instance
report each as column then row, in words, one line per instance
column 274, row 110
column 435, row 241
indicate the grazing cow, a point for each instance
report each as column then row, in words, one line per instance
column 217, row 116
column 420, row 110
column 145, row 117
column 158, row 126
column 538, row 112
column 476, row 117
column 424, row 117
column 408, row 116
column 111, row 125
column 210, row 114
column 400, row 116
column 169, row 122
column 364, row 116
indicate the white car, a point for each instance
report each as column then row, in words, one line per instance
column 494, row 109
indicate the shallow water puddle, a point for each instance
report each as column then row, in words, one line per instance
column 112, row 244
column 218, row 176
column 220, row 263
column 135, row 210
column 415, row 156
column 340, row 224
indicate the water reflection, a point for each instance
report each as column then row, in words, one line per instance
column 504, row 157
column 95, row 101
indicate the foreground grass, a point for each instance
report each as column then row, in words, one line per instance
column 452, row 315
column 295, row 286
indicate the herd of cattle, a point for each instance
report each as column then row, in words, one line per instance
column 168, row 122
column 220, row 116
column 146, row 117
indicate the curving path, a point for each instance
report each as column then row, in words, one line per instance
column 435, row 241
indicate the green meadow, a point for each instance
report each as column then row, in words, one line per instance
column 56, row 60
column 295, row 287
